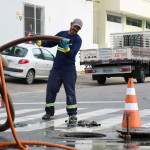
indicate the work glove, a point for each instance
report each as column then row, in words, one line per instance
column 65, row 44
column 37, row 42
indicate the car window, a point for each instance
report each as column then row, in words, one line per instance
column 15, row 51
column 47, row 55
column 37, row 53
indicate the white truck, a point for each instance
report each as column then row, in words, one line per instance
column 129, row 56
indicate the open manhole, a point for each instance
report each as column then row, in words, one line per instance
column 82, row 134
column 141, row 132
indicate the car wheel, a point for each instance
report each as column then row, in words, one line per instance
column 29, row 77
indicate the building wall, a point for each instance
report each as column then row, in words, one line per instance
column 139, row 9
column 10, row 27
column 136, row 7
column 58, row 15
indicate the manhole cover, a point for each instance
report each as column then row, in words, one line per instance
column 82, row 134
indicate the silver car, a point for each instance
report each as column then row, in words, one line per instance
column 28, row 61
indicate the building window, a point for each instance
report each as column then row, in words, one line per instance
column 113, row 18
column 34, row 19
column 147, row 24
column 133, row 22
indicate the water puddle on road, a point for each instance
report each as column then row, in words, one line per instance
column 107, row 145
column 85, row 138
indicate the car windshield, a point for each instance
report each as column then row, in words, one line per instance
column 15, row 51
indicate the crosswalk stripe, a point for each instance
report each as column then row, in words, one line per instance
column 46, row 124
column 1, row 110
column 36, row 116
column 113, row 120
column 81, row 102
column 94, row 114
column 22, row 111
column 145, row 112
column 97, row 113
column 107, row 123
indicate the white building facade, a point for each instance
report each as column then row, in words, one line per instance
column 113, row 16
column 47, row 17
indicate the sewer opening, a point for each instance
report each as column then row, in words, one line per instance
column 82, row 134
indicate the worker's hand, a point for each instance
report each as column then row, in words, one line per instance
column 38, row 42
column 64, row 43
column 67, row 50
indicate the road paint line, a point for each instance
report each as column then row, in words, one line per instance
column 22, row 111
column 42, row 125
column 93, row 114
column 143, row 113
column 58, row 123
column 114, row 121
column 111, row 122
column 81, row 102
column 36, row 116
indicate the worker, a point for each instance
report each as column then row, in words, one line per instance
column 63, row 70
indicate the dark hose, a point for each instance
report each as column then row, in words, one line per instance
column 30, row 38
column 22, row 144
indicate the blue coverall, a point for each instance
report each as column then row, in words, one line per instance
column 63, row 72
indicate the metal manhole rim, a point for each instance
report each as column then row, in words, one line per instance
column 82, row 134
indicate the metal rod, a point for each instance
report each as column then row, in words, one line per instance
column 128, row 136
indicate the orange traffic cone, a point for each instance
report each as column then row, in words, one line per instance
column 131, row 108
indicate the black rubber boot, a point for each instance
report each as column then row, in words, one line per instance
column 72, row 119
column 47, row 116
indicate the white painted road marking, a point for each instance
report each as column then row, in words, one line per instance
column 113, row 119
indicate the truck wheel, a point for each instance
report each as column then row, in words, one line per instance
column 142, row 79
column 101, row 80
column 126, row 79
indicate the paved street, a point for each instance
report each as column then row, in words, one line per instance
column 103, row 104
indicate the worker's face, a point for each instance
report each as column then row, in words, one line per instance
column 74, row 29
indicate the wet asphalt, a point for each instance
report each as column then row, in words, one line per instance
column 111, row 95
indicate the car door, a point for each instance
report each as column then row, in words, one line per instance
column 49, row 59
column 39, row 62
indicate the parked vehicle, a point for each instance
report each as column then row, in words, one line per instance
column 28, row 61
column 129, row 56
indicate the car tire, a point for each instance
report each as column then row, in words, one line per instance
column 29, row 77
